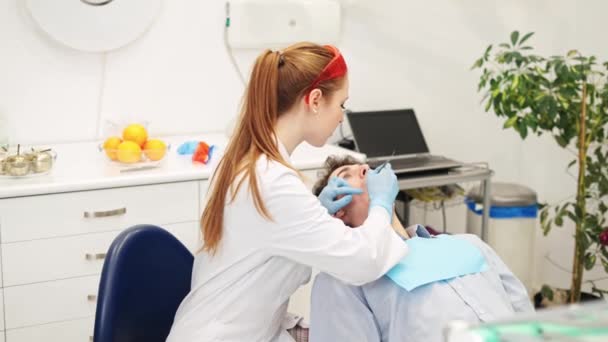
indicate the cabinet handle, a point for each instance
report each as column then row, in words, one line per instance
column 114, row 212
column 95, row 256
column 91, row 298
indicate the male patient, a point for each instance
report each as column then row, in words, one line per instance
column 385, row 311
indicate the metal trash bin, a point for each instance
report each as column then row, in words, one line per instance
column 513, row 213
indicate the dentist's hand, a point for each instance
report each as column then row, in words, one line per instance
column 335, row 187
column 382, row 187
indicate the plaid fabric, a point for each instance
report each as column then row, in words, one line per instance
column 299, row 333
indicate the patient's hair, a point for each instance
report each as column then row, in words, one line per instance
column 331, row 164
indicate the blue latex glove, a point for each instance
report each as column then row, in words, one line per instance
column 382, row 187
column 335, row 187
column 187, row 148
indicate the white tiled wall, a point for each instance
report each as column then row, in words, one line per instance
column 177, row 77
column 47, row 92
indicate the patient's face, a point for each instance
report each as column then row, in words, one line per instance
column 355, row 213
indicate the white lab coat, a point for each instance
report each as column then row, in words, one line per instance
column 242, row 293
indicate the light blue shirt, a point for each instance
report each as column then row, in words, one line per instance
column 383, row 311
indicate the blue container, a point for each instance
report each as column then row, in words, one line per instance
column 529, row 211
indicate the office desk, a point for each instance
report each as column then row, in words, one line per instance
column 462, row 174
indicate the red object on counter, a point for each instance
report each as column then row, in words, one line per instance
column 201, row 155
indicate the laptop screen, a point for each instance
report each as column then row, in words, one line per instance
column 378, row 133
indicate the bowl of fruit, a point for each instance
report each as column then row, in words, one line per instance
column 134, row 147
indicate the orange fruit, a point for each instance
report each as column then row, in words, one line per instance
column 155, row 149
column 135, row 133
column 128, row 152
column 110, row 146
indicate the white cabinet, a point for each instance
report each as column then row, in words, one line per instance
column 85, row 212
column 50, row 302
column 80, row 330
column 59, row 258
column 53, row 248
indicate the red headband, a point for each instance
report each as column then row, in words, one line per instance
column 334, row 69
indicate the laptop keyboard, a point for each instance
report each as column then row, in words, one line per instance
column 414, row 162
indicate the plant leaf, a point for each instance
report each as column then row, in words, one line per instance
column 477, row 64
column 526, row 37
column 547, row 292
column 547, row 227
column 589, row 261
column 510, row 122
column 488, row 105
column 515, row 82
column 514, row 37
column 487, row 50
column 561, row 141
column 523, row 129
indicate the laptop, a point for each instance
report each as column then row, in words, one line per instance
column 395, row 135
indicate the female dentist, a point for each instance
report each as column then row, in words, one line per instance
column 263, row 229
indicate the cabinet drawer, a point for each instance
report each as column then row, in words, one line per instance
column 36, row 217
column 50, row 302
column 73, row 256
column 79, row 330
column 52, row 259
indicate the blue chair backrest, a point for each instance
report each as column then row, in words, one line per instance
column 145, row 277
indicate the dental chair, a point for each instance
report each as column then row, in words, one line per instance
column 145, row 276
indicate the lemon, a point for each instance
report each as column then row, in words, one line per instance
column 110, row 146
column 135, row 133
column 155, row 149
column 128, row 152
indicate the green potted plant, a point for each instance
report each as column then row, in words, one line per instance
column 566, row 97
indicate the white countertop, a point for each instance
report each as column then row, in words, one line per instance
column 81, row 166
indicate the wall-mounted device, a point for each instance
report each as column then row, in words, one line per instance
column 279, row 23
column 94, row 25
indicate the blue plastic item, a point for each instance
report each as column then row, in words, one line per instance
column 434, row 259
column 145, row 276
column 529, row 211
column 187, row 148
